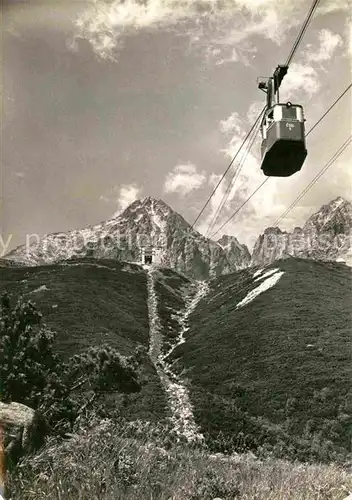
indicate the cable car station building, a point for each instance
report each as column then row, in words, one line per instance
column 150, row 255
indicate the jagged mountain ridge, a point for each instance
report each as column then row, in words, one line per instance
column 145, row 223
column 327, row 236
column 237, row 254
column 150, row 222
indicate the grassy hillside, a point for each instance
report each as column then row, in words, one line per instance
column 114, row 461
column 273, row 374
column 87, row 303
column 278, row 370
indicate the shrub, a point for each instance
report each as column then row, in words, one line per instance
column 32, row 374
column 26, row 355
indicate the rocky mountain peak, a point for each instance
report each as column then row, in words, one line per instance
column 151, row 214
column 336, row 216
column 147, row 227
column 273, row 230
column 325, row 236
column 148, row 203
column 237, row 254
column 226, row 240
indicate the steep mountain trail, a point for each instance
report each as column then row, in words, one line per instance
column 203, row 289
column 179, row 403
column 180, row 406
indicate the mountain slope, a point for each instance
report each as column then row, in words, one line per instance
column 86, row 302
column 327, row 235
column 89, row 302
column 267, row 353
column 145, row 223
column 274, row 367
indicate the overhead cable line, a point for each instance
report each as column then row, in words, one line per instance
column 302, row 32
column 326, row 112
column 289, row 59
column 316, row 178
column 265, row 180
column 233, row 179
column 235, row 176
column 243, row 204
column 228, row 168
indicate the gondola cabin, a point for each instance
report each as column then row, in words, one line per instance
column 283, row 149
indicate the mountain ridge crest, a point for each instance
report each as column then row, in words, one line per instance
column 150, row 223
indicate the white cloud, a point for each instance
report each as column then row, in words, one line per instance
column 305, row 76
column 184, row 179
column 331, row 6
column 127, row 194
column 219, row 27
column 329, row 42
column 244, row 53
column 257, row 214
column 300, row 78
column 229, row 198
column 232, row 124
column 254, row 110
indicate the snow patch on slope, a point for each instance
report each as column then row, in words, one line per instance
column 267, row 274
column 265, row 285
column 257, row 273
column 40, row 289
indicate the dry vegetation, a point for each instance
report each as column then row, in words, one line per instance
column 138, row 460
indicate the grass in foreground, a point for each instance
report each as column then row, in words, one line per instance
column 137, row 460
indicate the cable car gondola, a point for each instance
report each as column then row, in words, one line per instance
column 283, row 148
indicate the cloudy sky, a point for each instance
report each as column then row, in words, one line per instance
column 106, row 101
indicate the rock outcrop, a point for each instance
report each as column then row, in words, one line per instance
column 23, row 430
column 327, row 236
column 238, row 255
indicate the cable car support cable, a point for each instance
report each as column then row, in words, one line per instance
column 267, row 178
column 228, row 168
column 302, row 32
column 316, row 178
column 332, row 105
column 233, row 180
column 278, row 75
